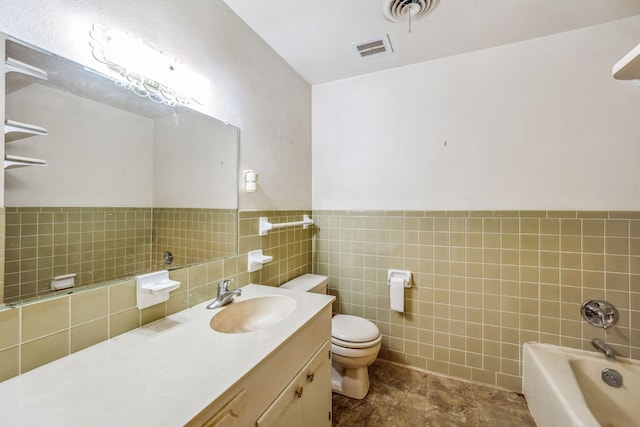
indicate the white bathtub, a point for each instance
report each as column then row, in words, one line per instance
column 564, row 388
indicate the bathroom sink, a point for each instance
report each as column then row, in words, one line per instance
column 253, row 314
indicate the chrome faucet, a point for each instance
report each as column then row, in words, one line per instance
column 225, row 296
column 603, row 347
column 601, row 314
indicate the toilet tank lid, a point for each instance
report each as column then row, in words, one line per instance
column 353, row 328
column 306, row 283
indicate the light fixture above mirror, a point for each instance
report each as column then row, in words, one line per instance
column 146, row 70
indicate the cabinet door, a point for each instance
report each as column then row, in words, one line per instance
column 307, row 399
column 228, row 415
column 316, row 402
column 286, row 410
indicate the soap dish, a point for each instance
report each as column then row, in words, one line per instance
column 255, row 260
column 153, row 288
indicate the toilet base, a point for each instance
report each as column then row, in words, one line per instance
column 350, row 382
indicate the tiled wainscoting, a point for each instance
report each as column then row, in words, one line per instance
column 42, row 331
column 484, row 282
column 102, row 244
column 193, row 234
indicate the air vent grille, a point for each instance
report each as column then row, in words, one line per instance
column 406, row 10
column 372, row 47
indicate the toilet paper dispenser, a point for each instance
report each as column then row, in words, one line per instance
column 404, row 275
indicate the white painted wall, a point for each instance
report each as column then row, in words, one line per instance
column 181, row 179
column 251, row 86
column 98, row 155
column 534, row 125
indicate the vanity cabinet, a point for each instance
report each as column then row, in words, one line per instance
column 178, row 371
column 305, row 401
column 291, row 387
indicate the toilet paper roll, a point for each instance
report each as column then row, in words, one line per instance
column 396, row 294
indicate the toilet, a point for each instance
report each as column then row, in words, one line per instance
column 355, row 342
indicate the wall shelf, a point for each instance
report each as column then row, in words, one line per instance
column 14, row 66
column 12, row 162
column 628, row 68
column 14, row 130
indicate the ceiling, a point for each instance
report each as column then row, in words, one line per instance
column 315, row 36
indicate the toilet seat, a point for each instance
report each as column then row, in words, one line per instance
column 354, row 332
column 355, row 345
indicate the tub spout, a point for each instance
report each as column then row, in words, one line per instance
column 603, row 347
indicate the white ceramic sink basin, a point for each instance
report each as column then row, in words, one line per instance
column 253, row 314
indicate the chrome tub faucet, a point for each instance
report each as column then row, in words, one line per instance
column 604, row 348
column 225, row 296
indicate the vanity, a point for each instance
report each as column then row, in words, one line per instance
column 180, row 371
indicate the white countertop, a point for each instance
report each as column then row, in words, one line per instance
column 161, row 374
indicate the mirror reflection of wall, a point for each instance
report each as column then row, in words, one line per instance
column 121, row 186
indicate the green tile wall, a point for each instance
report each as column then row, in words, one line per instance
column 193, row 234
column 43, row 331
column 484, row 282
column 103, row 244
column 98, row 244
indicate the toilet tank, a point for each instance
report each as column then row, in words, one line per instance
column 308, row 283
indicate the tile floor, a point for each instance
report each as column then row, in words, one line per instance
column 400, row 397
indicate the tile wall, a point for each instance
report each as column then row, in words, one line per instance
column 43, row 331
column 98, row 244
column 290, row 247
column 484, row 282
column 2, row 251
column 193, row 234
column 102, row 244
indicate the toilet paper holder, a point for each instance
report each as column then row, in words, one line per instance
column 405, row 275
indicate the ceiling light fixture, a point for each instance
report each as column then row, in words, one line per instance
column 407, row 10
column 144, row 69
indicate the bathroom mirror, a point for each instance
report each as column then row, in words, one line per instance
column 104, row 184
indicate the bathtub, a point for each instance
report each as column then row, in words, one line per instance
column 563, row 388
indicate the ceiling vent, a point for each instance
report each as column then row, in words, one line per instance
column 372, row 47
column 407, row 10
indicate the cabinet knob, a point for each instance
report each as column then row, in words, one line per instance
column 310, row 377
column 299, row 392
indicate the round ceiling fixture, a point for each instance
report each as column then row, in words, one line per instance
column 407, row 10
